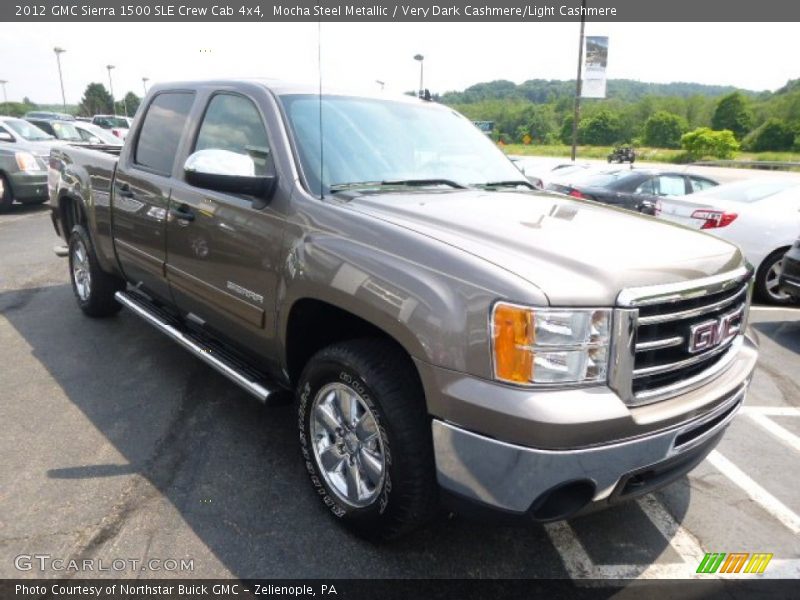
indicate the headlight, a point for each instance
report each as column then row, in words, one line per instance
column 27, row 162
column 550, row 345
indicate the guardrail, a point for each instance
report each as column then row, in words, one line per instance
column 772, row 165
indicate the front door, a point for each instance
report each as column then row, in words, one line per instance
column 221, row 249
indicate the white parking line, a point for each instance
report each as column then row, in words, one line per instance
column 772, row 411
column 684, row 543
column 783, row 434
column 774, row 308
column 757, row 493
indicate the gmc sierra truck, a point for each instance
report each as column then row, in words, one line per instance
column 449, row 333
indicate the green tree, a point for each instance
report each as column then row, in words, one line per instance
column 565, row 133
column 706, row 142
column 733, row 113
column 96, row 100
column 773, row 134
column 602, row 129
column 132, row 102
column 664, row 130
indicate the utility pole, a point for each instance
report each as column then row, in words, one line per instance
column 144, row 84
column 59, row 52
column 111, row 89
column 420, row 58
column 578, row 84
column 3, row 82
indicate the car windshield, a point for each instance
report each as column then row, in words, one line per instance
column 748, row 191
column 66, row 131
column 108, row 122
column 369, row 140
column 26, row 130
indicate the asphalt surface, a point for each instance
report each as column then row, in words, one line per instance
column 117, row 444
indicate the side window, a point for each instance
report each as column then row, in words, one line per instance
column 648, row 187
column 701, row 184
column 85, row 135
column 161, row 131
column 671, row 185
column 234, row 124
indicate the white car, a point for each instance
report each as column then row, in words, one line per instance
column 761, row 216
column 92, row 134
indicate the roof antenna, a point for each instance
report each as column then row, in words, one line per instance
column 319, row 68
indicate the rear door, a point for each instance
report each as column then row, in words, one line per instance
column 141, row 191
column 223, row 260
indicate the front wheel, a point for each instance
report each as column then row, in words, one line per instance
column 767, row 279
column 365, row 437
column 94, row 288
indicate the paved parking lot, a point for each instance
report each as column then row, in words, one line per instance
column 117, row 444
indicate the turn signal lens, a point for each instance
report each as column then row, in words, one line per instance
column 512, row 332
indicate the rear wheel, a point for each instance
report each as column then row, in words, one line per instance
column 365, row 437
column 94, row 288
column 767, row 279
column 6, row 199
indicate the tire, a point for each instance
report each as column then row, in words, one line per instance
column 6, row 197
column 766, row 285
column 94, row 289
column 391, row 455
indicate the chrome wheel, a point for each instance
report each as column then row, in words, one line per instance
column 771, row 282
column 347, row 445
column 81, row 275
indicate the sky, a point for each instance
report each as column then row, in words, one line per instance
column 758, row 56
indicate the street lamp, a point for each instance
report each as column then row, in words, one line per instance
column 59, row 52
column 380, row 83
column 3, row 82
column 420, row 58
column 144, row 84
column 111, row 88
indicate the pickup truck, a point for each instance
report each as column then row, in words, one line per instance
column 451, row 336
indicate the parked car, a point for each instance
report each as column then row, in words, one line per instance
column 50, row 116
column 758, row 215
column 116, row 124
column 635, row 189
column 61, row 130
column 95, row 135
column 789, row 279
column 23, row 177
column 544, row 171
column 449, row 332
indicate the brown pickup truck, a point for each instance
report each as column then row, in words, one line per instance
column 449, row 333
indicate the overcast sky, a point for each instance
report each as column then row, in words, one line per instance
column 754, row 56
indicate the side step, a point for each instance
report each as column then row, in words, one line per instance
column 206, row 350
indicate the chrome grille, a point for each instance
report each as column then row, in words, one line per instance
column 680, row 337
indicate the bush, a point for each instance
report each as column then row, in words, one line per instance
column 706, row 142
column 664, row 130
column 733, row 113
column 603, row 129
column 773, row 134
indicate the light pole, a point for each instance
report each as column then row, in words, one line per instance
column 380, row 83
column 144, row 84
column 578, row 85
column 111, row 89
column 420, row 58
column 3, row 82
column 59, row 52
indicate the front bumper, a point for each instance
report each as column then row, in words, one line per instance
column 29, row 186
column 659, row 443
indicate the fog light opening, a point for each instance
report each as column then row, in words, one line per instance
column 562, row 501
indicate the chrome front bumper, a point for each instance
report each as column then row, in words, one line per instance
column 511, row 478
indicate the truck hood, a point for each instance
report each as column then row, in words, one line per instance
column 40, row 149
column 576, row 252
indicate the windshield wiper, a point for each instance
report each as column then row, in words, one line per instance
column 340, row 187
column 497, row 184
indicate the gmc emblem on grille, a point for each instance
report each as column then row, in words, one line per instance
column 710, row 334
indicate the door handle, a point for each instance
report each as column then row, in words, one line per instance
column 182, row 213
column 125, row 190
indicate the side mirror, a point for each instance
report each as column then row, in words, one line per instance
column 6, row 137
column 226, row 171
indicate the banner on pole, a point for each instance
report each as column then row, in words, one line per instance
column 594, row 68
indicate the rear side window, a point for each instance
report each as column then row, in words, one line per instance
column 699, row 184
column 161, row 131
column 671, row 185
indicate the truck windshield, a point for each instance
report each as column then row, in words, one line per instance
column 27, row 131
column 375, row 140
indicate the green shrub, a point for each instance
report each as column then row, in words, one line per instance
column 602, row 129
column 733, row 113
column 664, row 130
column 705, row 142
column 773, row 134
